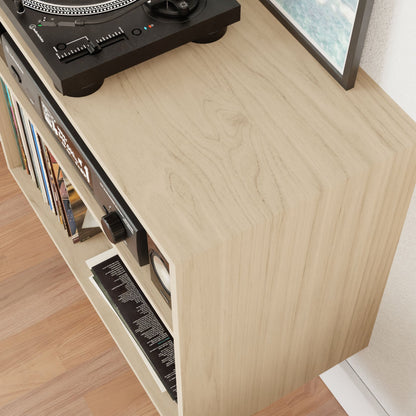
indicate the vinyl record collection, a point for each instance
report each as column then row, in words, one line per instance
column 46, row 174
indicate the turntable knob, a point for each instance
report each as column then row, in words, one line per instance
column 113, row 227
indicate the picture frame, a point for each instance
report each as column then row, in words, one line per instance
column 337, row 40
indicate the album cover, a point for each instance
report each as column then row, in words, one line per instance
column 64, row 197
column 54, row 171
column 138, row 316
column 79, row 211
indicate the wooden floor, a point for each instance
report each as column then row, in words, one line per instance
column 56, row 357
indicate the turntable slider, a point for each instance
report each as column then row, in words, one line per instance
column 75, row 49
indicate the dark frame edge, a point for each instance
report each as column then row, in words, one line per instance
column 355, row 50
column 347, row 79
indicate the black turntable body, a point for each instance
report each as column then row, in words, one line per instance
column 81, row 43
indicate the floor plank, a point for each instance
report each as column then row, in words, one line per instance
column 21, row 247
column 15, row 206
column 58, row 395
column 101, row 401
column 56, row 358
column 313, row 399
column 26, row 291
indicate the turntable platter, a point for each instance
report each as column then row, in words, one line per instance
column 74, row 8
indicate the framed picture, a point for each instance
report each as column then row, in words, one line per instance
column 332, row 30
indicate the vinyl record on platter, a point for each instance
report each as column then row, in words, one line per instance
column 76, row 8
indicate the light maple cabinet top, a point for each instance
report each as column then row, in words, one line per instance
column 207, row 140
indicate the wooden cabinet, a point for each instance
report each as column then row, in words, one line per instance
column 277, row 198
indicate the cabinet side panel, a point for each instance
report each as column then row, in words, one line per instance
column 11, row 151
column 266, row 311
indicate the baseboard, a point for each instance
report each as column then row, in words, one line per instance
column 350, row 391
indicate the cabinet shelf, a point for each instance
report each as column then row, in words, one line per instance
column 75, row 256
column 141, row 274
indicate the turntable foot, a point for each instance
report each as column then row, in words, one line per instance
column 83, row 90
column 212, row 37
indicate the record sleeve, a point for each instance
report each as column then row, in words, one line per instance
column 138, row 317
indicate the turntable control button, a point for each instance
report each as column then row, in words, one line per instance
column 136, row 31
column 61, row 46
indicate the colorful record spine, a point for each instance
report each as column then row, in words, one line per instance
column 56, row 189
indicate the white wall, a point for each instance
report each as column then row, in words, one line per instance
column 389, row 55
column 388, row 365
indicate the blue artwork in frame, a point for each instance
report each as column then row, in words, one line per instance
column 332, row 30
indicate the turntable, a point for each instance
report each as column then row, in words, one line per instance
column 81, row 43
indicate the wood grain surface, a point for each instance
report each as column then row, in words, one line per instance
column 277, row 198
column 56, row 357
column 206, row 141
